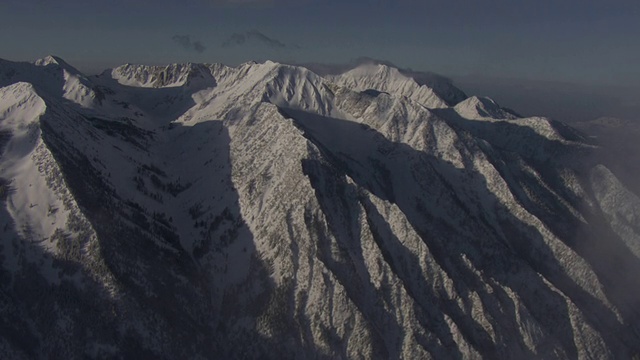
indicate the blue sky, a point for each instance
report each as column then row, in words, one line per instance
column 580, row 41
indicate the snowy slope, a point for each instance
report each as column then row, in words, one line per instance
column 206, row 211
column 390, row 80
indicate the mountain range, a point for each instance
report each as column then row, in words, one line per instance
column 266, row 211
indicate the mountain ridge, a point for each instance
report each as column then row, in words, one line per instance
column 265, row 210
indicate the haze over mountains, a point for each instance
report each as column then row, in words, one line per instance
column 265, row 211
column 566, row 101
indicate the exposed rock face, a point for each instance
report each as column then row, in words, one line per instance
column 264, row 211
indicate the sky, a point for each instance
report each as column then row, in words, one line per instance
column 585, row 42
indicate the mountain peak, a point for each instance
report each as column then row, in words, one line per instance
column 376, row 69
column 385, row 78
column 57, row 63
column 51, row 60
column 482, row 107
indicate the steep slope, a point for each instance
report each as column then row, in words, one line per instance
column 265, row 211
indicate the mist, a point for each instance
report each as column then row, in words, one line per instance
column 563, row 101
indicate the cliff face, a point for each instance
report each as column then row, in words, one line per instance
column 265, row 211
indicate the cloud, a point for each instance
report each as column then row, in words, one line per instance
column 186, row 42
column 240, row 39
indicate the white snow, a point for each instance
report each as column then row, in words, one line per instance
column 388, row 79
column 380, row 218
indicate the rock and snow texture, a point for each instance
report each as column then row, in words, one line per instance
column 263, row 211
column 387, row 79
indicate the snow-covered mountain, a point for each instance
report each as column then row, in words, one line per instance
column 264, row 211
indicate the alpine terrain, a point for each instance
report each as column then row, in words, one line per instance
column 196, row 211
